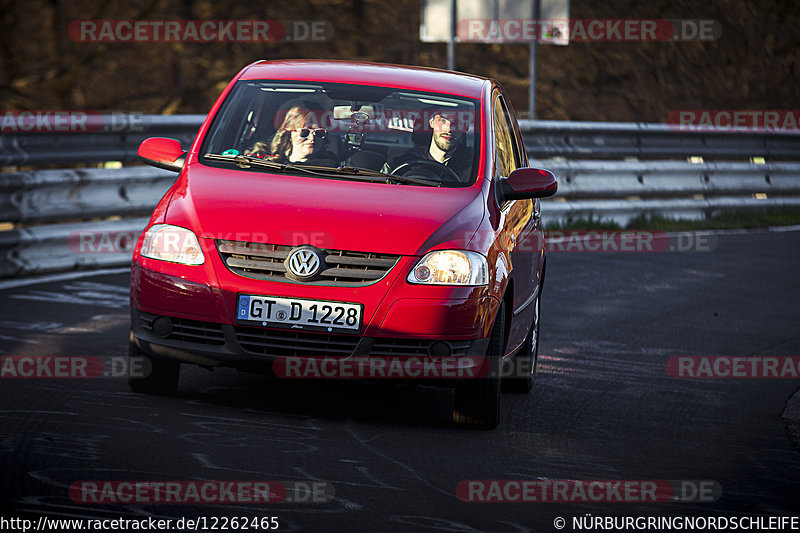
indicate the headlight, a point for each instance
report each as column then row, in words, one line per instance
column 166, row 242
column 451, row 267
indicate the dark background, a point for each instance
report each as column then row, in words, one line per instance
column 754, row 65
column 603, row 406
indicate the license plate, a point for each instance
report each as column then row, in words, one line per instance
column 296, row 313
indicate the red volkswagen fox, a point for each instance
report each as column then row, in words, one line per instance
column 332, row 215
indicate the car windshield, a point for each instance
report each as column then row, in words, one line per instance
column 347, row 131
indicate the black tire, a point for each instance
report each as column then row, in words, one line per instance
column 160, row 376
column 520, row 372
column 477, row 401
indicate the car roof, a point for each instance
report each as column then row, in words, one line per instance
column 380, row 74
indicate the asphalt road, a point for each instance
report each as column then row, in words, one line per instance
column 604, row 407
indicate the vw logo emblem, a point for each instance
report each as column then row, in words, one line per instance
column 304, row 263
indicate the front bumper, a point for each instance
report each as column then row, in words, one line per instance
column 189, row 313
column 391, row 307
column 212, row 344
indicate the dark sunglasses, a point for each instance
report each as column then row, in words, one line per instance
column 319, row 133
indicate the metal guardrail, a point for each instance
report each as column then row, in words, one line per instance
column 543, row 139
column 38, row 196
column 55, row 212
column 620, row 179
column 611, row 190
column 34, row 197
column 608, row 140
column 107, row 143
column 71, row 246
column 622, row 190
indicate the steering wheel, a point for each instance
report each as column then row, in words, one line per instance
column 441, row 171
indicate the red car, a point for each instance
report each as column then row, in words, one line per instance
column 337, row 212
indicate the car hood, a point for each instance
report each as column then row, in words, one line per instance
column 327, row 213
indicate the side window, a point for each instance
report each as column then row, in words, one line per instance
column 506, row 156
column 522, row 159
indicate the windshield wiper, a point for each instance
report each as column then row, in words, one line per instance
column 355, row 173
column 359, row 171
column 246, row 161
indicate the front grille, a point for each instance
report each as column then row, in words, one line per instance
column 412, row 347
column 294, row 343
column 195, row 331
column 340, row 268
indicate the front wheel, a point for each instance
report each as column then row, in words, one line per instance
column 152, row 375
column 477, row 401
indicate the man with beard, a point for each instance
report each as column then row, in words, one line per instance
column 446, row 146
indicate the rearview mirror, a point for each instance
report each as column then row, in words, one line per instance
column 346, row 112
column 162, row 153
column 525, row 183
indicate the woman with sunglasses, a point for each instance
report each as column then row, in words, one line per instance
column 299, row 139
